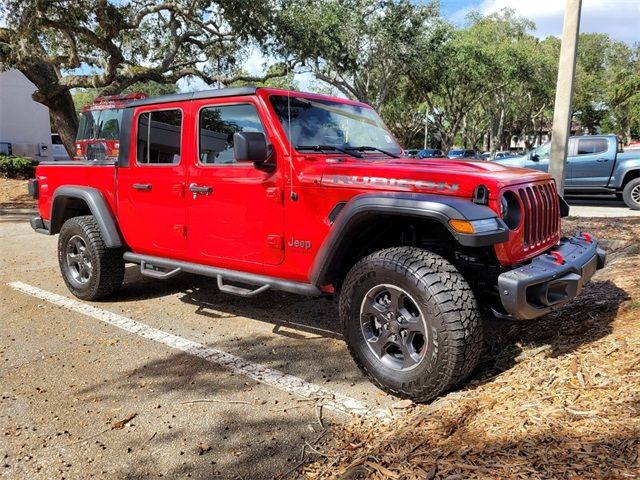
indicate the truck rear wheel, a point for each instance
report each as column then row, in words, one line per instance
column 89, row 268
column 411, row 322
column 631, row 194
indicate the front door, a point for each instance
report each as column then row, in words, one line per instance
column 235, row 210
column 151, row 199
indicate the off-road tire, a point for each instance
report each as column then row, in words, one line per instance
column 107, row 264
column 453, row 321
column 631, row 194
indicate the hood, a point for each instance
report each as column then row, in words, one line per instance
column 439, row 175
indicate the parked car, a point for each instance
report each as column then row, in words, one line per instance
column 464, row 154
column 59, row 152
column 633, row 147
column 99, row 127
column 430, row 153
column 244, row 185
column 410, row 153
column 595, row 164
column 505, row 154
column 488, row 156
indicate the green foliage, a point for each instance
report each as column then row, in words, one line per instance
column 12, row 166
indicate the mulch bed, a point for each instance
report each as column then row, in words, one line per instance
column 555, row 398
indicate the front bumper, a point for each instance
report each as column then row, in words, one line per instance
column 551, row 279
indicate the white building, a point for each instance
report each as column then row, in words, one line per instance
column 24, row 123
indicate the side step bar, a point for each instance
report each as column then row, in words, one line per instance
column 164, row 268
column 242, row 292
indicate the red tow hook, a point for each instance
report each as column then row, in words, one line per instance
column 558, row 257
column 586, row 237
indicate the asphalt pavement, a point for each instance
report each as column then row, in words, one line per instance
column 598, row 206
column 203, row 384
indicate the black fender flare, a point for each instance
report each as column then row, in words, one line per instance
column 435, row 207
column 97, row 205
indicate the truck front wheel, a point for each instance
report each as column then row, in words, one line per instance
column 631, row 194
column 411, row 322
column 89, row 268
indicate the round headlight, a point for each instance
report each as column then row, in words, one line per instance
column 510, row 210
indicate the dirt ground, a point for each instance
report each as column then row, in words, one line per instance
column 13, row 194
column 556, row 398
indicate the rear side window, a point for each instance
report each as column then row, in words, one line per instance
column 159, row 135
column 217, row 126
column 590, row 146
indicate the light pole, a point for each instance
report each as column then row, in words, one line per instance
column 426, row 129
column 564, row 90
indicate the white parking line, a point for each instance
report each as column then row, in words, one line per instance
column 259, row 373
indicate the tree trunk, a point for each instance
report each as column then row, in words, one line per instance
column 65, row 119
column 57, row 98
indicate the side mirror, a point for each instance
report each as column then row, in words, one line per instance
column 250, row 147
column 534, row 157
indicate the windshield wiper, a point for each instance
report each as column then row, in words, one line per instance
column 367, row 148
column 320, row 148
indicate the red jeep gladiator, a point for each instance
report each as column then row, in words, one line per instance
column 266, row 189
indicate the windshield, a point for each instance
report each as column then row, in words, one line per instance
column 311, row 122
column 100, row 124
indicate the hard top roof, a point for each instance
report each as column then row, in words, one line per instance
column 233, row 92
column 178, row 97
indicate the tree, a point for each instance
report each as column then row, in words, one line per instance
column 111, row 45
column 360, row 47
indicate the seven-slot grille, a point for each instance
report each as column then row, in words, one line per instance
column 541, row 213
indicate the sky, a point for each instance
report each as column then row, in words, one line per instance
column 620, row 19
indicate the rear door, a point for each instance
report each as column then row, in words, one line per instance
column 235, row 210
column 151, row 189
column 591, row 162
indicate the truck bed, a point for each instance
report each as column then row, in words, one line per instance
column 99, row 175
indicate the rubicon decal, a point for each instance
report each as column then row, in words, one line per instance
column 356, row 180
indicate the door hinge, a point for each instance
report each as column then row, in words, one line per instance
column 275, row 193
column 275, row 241
column 180, row 230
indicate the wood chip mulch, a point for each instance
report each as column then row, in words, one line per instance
column 556, row 398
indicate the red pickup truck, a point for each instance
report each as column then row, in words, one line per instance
column 270, row 189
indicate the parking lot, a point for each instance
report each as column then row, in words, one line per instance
column 198, row 382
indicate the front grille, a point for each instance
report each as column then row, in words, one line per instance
column 541, row 214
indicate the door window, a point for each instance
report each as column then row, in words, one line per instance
column 159, row 136
column 591, row 146
column 217, row 124
column 543, row 151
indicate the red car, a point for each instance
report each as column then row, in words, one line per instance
column 267, row 189
column 98, row 135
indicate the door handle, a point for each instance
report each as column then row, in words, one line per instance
column 142, row 186
column 200, row 189
column 602, row 160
